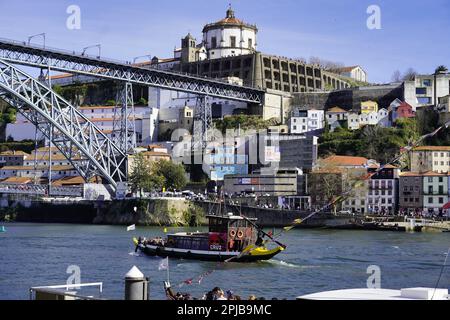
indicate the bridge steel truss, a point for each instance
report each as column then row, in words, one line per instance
column 202, row 123
column 89, row 150
column 20, row 53
column 124, row 124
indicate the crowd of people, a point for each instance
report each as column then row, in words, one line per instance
column 158, row 241
column 215, row 294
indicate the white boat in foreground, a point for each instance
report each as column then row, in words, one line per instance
column 380, row 294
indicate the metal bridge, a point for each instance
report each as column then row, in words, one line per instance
column 90, row 151
column 59, row 60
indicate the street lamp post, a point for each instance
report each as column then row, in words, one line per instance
column 99, row 46
column 43, row 35
column 144, row 56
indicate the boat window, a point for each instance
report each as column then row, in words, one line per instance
column 239, row 224
column 218, row 225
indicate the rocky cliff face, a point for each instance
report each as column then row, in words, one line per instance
column 144, row 212
column 161, row 212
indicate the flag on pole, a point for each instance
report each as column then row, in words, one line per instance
column 164, row 264
column 131, row 228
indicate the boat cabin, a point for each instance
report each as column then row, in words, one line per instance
column 226, row 234
column 231, row 233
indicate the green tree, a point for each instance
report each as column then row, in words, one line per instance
column 244, row 122
column 142, row 177
column 441, row 69
column 142, row 102
column 174, row 174
column 110, row 103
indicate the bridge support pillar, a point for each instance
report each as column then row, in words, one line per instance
column 202, row 123
column 124, row 127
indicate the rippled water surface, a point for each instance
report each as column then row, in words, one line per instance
column 315, row 260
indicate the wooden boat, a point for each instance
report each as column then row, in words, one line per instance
column 230, row 238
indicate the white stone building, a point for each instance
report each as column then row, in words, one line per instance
column 435, row 191
column 370, row 119
column 353, row 121
column 303, row 121
column 354, row 72
column 334, row 116
column 383, row 118
column 229, row 37
column 430, row 158
column 146, row 122
column 383, row 189
column 421, row 91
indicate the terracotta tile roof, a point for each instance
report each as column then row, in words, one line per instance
column 46, row 149
column 432, row 148
column 155, row 154
column 390, row 166
column 17, row 180
column 327, row 171
column 423, row 174
column 344, row 161
column 346, row 69
column 404, row 104
column 31, row 168
column 95, row 107
column 69, row 181
column 101, row 119
column 55, row 157
column 14, row 153
column 336, row 110
column 434, row 174
column 61, row 76
column 410, row 174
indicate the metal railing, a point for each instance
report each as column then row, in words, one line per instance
column 74, row 62
column 61, row 291
column 41, row 190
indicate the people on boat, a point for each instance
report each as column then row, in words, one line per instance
column 260, row 240
column 153, row 242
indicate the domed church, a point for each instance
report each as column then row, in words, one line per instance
column 229, row 37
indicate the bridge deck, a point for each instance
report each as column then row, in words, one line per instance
column 73, row 62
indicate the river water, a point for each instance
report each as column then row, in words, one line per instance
column 315, row 260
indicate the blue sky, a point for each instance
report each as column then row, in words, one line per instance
column 414, row 33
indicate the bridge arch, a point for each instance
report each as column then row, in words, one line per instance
column 89, row 150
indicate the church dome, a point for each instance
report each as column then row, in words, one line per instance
column 229, row 21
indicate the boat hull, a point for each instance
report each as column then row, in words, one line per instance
column 251, row 256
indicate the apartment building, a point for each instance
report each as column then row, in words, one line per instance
column 435, row 192
column 430, row 158
column 305, row 121
column 411, row 192
column 425, row 90
column 383, row 190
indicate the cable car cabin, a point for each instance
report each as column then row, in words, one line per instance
column 230, row 233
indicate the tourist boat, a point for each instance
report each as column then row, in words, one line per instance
column 230, row 238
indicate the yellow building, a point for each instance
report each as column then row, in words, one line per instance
column 369, row 107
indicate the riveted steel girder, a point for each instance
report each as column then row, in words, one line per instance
column 89, row 150
column 21, row 53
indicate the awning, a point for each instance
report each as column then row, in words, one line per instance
column 446, row 207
